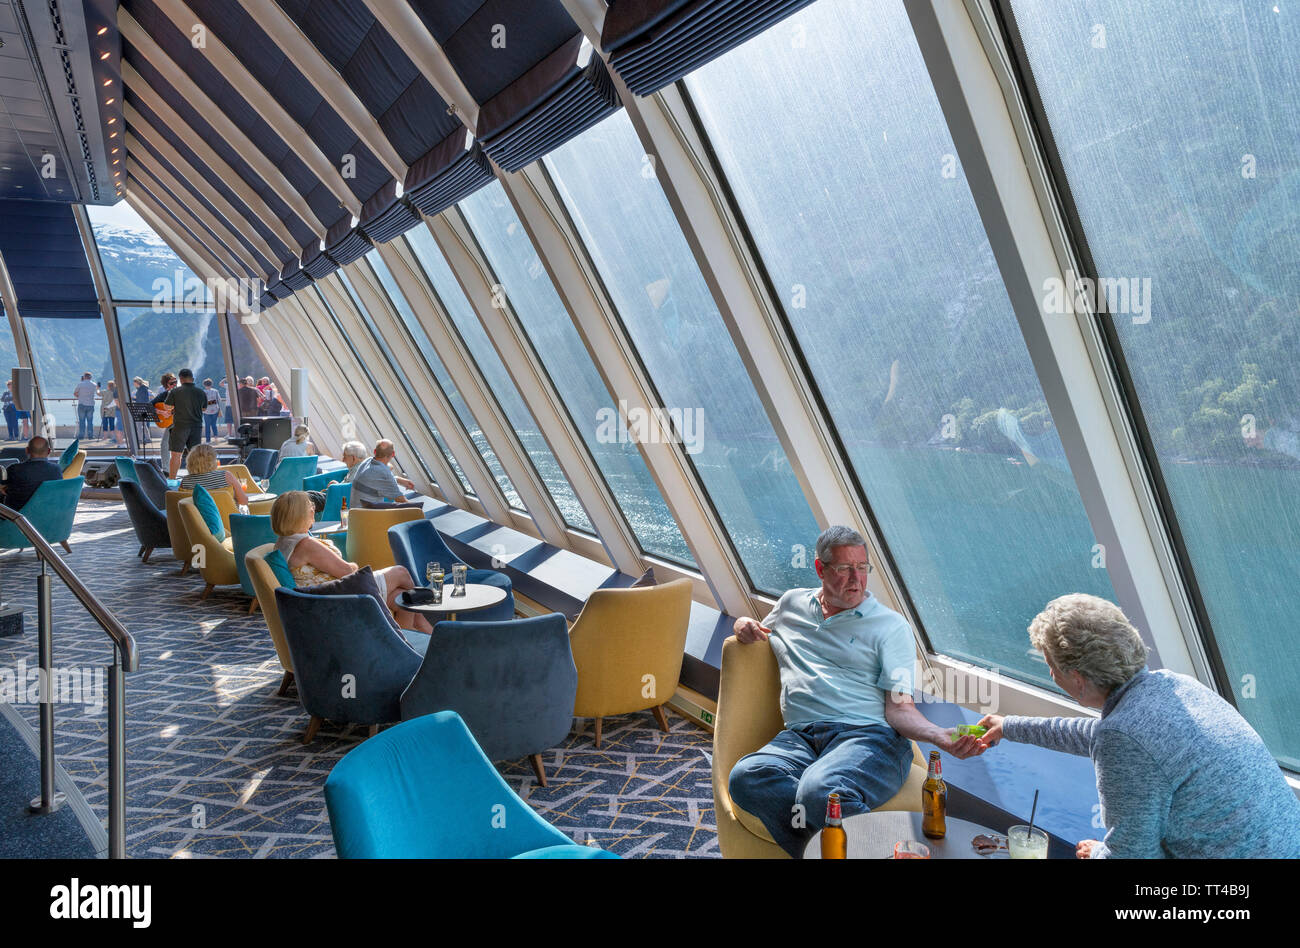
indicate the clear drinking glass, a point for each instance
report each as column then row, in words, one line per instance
column 1024, row 844
column 458, row 579
column 911, row 849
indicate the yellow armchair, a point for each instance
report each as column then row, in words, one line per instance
column 749, row 715
column 74, row 469
column 628, row 646
column 368, row 535
column 217, row 565
column 265, row 584
column 182, row 546
column 243, row 475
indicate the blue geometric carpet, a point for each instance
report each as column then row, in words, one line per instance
column 214, row 763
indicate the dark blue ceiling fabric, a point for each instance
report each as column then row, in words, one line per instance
column 266, row 301
column 248, row 218
column 316, row 262
column 652, row 43
column 295, row 278
column 345, row 243
column 497, row 42
column 42, row 250
column 407, row 108
column 190, row 196
column 544, row 108
column 198, row 125
column 447, row 174
column 324, row 204
column 386, row 216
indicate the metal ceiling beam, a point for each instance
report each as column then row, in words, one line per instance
column 221, row 123
column 187, row 222
column 205, row 153
column 192, row 253
column 590, row 17
column 264, row 104
column 143, row 158
column 405, row 25
column 198, row 183
column 302, row 52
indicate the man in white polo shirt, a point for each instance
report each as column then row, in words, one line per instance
column 85, row 393
column 846, row 666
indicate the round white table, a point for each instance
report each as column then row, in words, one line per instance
column 324, row 528
column 477, row 596
column 873, row 835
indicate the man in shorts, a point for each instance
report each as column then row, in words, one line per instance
column 188, row 402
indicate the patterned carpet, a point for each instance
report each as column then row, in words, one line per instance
column 214, row 765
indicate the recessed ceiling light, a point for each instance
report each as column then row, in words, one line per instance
column 102, row 31
column 116, row 150
column 108, row 82
column 104, row 55
column 109, row 101
column 112, row 135
column 111, row 121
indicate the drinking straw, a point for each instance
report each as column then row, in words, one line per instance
column 1032, row 812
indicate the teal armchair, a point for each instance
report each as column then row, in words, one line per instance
column 290, row 473
column 248, row 531
column 424, row 790
column 51, row 510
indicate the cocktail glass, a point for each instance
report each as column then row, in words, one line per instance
column 1022, row 843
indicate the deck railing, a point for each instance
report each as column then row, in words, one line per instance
column 125, row 659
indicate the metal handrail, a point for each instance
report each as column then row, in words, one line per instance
column 126, row 658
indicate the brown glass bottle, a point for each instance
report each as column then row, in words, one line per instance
column 835, row 842
column 934, row 801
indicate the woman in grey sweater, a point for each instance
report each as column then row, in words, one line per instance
column 1180, row 773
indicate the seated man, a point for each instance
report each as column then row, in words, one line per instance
column 846, row 665
column 354, row 453
column 373, row 482
column 1180, row 773
column 22, row 479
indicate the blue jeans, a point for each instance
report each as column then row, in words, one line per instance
column 210, row 427
column 86, row 421
column 787, row 781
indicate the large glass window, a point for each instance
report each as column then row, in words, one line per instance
column 630, row 232
column 138, row 263
column 242, row 353
column 439, row 371
column 1176, row 127
column 376, row 391
column 157, row 341
column 62, row 351
column 543, row 316
column 494, row 371
column 14, row 426
column 837, row 152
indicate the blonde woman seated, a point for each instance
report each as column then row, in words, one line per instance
column 203, row 469
column 313, row 561
column 298, row 446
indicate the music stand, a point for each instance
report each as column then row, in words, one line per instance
column 143, row 415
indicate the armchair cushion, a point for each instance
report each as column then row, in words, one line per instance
column 68, row 454
column 360, row 583
column 209, row 511
column 283, row 575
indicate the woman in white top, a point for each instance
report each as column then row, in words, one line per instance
column 298, row 446
column 312, row 560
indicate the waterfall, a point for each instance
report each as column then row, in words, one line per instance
column 196, row 357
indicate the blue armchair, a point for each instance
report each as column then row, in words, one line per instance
column 512, row 682
column 290, row 472
column 125, row 469
column 417, row 542
column 330, row 637
column 153, row 483
column 425, row 790
column 149, row 522
column 261, row 461
column 322, row 480
column 248, row 531
column 51, row 510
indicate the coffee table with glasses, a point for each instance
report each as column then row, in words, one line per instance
column 476, row 596
column 873, row 835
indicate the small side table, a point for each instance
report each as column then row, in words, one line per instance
column 477, row 596
column 873, row 835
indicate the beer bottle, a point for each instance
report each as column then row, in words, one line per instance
column 934, row 801
column 835, row 842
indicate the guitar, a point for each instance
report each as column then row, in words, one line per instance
column 164, row 413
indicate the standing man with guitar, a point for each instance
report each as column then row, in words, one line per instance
column 188, row 403
column 163, row 410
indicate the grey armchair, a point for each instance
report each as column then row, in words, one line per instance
column 513, row 682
